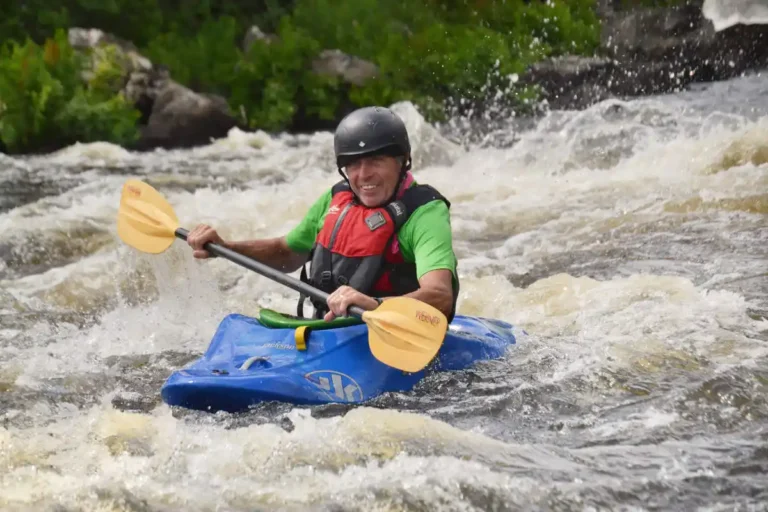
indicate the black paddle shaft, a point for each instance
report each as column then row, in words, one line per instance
column 269, row 272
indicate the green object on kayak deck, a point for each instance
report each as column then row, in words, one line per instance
column 276, row 320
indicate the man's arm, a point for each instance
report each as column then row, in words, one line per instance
column 286, row 254
column 427, row 240
column 436, row 289
column 273, row 252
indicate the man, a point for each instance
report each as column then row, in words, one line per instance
column 374, row 235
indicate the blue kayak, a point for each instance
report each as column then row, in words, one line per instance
column 253, row 360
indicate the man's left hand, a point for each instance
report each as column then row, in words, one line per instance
column 346, row 296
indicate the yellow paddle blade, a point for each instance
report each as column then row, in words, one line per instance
column 405, row 333
column 145, row 220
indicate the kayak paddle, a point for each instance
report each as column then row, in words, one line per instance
column 403, row 333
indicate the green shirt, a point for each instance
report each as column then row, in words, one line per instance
column 425, row 239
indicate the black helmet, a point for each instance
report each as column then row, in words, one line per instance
column 369, row 131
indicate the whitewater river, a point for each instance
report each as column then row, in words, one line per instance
column 628, row 243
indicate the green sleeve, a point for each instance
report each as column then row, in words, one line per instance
column 302, row 237
column 426, row 239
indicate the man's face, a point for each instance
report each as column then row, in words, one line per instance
column 374, row 178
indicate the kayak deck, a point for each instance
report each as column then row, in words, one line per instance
column 248, row 362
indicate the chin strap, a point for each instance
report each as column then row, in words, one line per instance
column 403, row 174
column 357, row 199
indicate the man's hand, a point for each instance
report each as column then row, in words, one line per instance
column 346, row 296
column 201, row 235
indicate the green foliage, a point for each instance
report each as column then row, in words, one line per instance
column 455, row 51
column 272, row 76
column 134, row 20
column 138, row 21
column 443, row 55
column 45, row 102
column 89, row 117
column 205, row 61
column 34, row 19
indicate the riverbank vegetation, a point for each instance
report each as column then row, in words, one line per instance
column 442, row 55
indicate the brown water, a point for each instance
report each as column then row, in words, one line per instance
column 629, row 241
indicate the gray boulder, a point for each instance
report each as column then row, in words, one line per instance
column 350, row 69
column 173, row 115
column 651, row 51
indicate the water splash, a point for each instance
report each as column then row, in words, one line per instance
column 726, row 13
column 627, row 240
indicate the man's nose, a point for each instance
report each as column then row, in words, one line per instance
column 365, row 167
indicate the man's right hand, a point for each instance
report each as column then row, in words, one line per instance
column 201, row 235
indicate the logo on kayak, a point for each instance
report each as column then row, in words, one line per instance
column 278, row 346
column 135, row 191
column 336, row 386
column 427, row 318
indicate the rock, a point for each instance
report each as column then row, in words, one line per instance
column 651, row 51
column 97, row 42
column 172, row 116
column 143, row 87
column 181, row 117
column 83, row 38
column 664, row 49
column 350, row 69
column 653, row 33
column 255, row 34
column 571, row 81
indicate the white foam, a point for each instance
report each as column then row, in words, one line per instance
column 569, row 189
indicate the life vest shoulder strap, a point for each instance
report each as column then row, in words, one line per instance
column 412, row 199
column 341, row 186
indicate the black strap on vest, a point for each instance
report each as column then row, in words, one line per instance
column 399, row 211
column 413, row 198
column 341, row 186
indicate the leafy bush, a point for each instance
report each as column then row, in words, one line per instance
column 89, row 117
column 433, row 52
column 45, row 103
column 443, row 55
column 272, row 79
column 134, row 20
column 205, row 61
column 439, row 52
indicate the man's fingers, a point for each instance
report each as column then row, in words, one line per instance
column 199, row 236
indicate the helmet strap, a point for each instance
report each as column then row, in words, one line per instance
column 346, row 178
column 403, row 173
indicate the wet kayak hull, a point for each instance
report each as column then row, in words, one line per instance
column 247, row 363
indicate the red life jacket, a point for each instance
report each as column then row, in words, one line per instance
column 357, row 245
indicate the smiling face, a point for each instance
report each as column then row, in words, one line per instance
column 373, row 179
